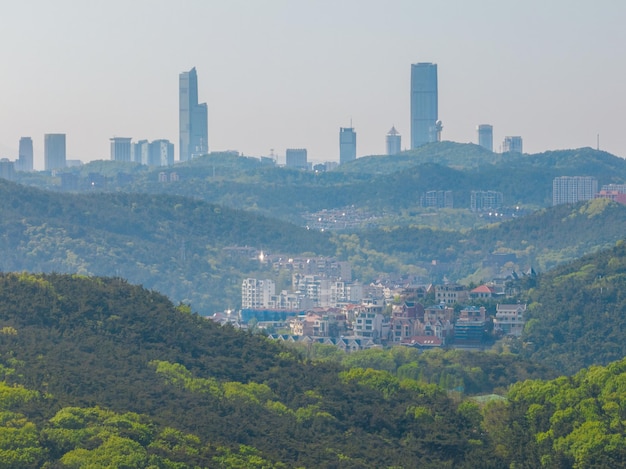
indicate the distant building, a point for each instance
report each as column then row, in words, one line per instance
column 425, row 126
column 485, row 200
column 437, row 199
column 512, row 145
column 394, row 142
column 7, row 169
column 140, row 151
column 160, row 153
column 25, row 159
column 121, row 149
column 470, row 327
column 256, row 293
column 485, row 136
column 572, row 189
column 347, row 145
column 614, row 192
column 193, row 121
column 54, row 151
column 296, row 158
column 510, row 319
column 451, row 293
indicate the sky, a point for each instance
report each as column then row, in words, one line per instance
column 279, row 74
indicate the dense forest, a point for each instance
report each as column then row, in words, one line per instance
column 96, row 372
column 386, row 185
column 175, row 245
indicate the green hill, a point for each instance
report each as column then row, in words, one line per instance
column 577, row 311
column 100, row 372
column 167, row 243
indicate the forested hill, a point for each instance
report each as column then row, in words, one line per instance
column 577, row 312
column 168, row 243
column 99, row 373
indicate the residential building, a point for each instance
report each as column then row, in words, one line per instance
column 25, row 158
column 370, row 322
column 437, row 199
column 510, row 319
column 393, row 142
column 347, row 145
column 572, row 189
column 140, row 151
column 121, row 149
column 54, row 151
column 470, row 327
column 451, row 293
column 485, row 136
column 425, row 126
column 193, row 121
column 481, row 201
column 296, row 158
column 256, row 293
column 615, row 196
column 437, row 322
column 482, row 292
column 512, row 145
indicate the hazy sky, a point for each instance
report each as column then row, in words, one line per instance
column 280, row 74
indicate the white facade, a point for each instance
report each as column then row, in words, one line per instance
column 572, row 189
column 257, row 293
column 510, row 319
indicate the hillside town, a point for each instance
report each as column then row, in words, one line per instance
column 324, row 305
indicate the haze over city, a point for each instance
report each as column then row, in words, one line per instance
column 286, row 74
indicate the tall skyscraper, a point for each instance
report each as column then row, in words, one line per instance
column 425, row 126
column 512, row 144
column 121, row 149
column 25, row 159
column 54, row 151
column 485, row 136
column 347, row 144
column 394, row 142
column 193, row 121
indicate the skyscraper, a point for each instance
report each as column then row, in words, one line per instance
column 120, row 149
column 425, row 126
column 347, row 144
column 25, row 159
column 512, row 144
column 394, row 142
column 54, row 151
column 485, row 136
column 193, row 121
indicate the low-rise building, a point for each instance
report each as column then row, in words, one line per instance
column 510, row 319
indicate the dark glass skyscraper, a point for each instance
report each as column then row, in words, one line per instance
column 425, row 128
column 347, row 144
column 193, row 125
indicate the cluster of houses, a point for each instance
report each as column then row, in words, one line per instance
column 390, row 319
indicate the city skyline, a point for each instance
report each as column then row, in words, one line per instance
column 278, row 75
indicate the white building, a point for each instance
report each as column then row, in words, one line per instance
column 257, row 293
column 510, row 319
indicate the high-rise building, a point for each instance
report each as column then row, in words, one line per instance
column 160, row 153
column 512, row 145
column 485, row 136
column 54, row 151
column 193, row 121
column 347, row 145
column 394, row 142
column 121, row 149
column 425, row 126
column 7, row 169
column 25, row 159
column 572, row 189
column 296, row 158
